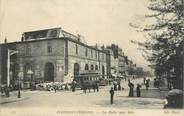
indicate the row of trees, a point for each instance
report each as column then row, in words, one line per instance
column 163, row 47
column 138, row 72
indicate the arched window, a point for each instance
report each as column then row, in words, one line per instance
column 86, row 67
column 92, row 67
column 96, row 67
column 27, row 67
column 76, row 69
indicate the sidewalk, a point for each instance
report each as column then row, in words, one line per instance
column 12, row 98
column 153, row 92
column 163, row 91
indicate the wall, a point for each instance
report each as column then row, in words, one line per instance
column 0, row 63
column 93, row 57
column 38, row 56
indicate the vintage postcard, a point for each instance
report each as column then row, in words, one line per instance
column 91, row 57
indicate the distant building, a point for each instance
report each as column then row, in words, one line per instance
column 117, row 61
column 52, row 55
column 112, row 64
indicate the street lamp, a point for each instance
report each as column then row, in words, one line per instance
column 10, row 52
column 20, row 75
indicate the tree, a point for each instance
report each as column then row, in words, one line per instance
column 165, row 37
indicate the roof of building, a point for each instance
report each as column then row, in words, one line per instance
column 62, row 34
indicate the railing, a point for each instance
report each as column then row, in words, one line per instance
column 89, row 71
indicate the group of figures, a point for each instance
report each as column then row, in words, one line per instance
column 138, row 88
column 66, row 86
column 117, row 86
column 84, row 86
column 146, row 82
column 131, row 90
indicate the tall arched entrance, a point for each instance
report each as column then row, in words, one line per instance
column 27, row 77
column 76, row 71
column 49, row 72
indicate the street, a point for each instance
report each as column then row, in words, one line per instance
column 151, row 99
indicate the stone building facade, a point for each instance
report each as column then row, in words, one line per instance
column 52, row 55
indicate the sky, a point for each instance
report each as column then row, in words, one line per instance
column 99, row 21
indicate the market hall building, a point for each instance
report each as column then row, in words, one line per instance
column 51, row 55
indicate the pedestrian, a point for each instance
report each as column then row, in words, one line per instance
column 156, row 83
column 115, row 86
column 55, row 88
column 138, row 90
column 128, row 80
column 144, row 80
column 94, row 86
column 119, row 86
column 66, row 86
column 7, row 91
column 73, row 85
column 84, row 88
column 133, row 78
column 97, row 87
column 147, row 84
column 112, row 95
column 131, row 91
column 89, row 88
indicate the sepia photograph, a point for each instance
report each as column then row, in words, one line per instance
column 91, row 57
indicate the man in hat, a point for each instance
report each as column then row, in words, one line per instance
column 112, row 94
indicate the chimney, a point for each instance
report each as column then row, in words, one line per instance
column 103, row 47
column 5, row 40
column 78, row 37
column 96, row 46
column 23, row 37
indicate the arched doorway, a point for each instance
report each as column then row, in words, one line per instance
column 103, row 71
column 49, row 72
column 76, row 71
column 27, row 67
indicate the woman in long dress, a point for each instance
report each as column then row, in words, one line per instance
column 131, row 91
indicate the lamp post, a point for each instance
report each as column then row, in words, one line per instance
column 9, row 53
